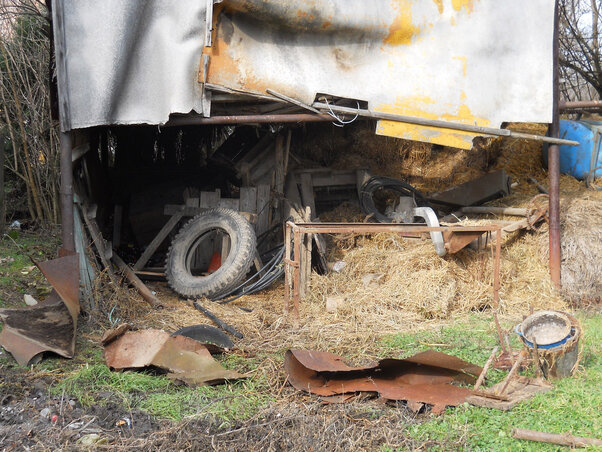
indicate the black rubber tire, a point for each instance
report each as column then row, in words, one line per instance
column 243, row 243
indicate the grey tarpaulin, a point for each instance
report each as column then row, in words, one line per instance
column 127, row 62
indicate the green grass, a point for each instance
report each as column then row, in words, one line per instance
column 573, row 405
column 159, row 396
column 16, row 277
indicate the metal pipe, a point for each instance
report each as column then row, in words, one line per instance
column 585, row 104
column 442, row 124
column 66, row 192
column 496, row 285
column 554, row 169
column 513, row 211
column 245, row 119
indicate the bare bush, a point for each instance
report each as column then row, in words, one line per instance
column 25, row 117
column 580, row 49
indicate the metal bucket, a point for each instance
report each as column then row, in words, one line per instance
column 562, row 360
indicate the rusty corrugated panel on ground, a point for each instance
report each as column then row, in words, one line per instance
column 422, row 378
column 51, row 324
column 185, row 359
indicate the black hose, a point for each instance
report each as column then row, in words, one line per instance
column 377, row 183
column 264, row 270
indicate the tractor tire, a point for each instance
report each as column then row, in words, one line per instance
column 243, row 243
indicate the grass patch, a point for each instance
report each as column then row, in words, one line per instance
column 159, row 396
column 573, row 405
column 16, row 276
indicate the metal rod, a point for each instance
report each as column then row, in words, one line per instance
column 540, row 187
column 245, row 119
column 293, row 101
column 371, row 228
column 585, row 104
column 485, row 369
column 441, row 124
column 514, row 211
column 224, row 326
column 66, row 192
column 554, row 169
column 496, row 285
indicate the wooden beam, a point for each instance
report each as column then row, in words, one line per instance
column 307, row 193
column 158, row 240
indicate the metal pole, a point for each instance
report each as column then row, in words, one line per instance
column 441, row 124
column 66, row 192
column 246, row 119
column 554, row 168
column 583, row 104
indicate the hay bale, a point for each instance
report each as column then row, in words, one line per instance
column 581, row 222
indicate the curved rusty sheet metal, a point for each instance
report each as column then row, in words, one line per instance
column 51, row 324
column 423, row 378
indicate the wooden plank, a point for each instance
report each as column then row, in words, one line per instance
column 293, row 199
column 172, row 209
column 265, row 166
column 255, row 151
column 334, row 179
column 279, row 176
column 192, row 202
column 87, row 275
column 279, row 164
column 209, row 199
column 152, row 247
column 248, row 199
column 229, row 203
column 307, row 192
column 104, row 251
column 263, row 208
column 135, row 281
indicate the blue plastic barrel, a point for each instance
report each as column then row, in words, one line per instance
column 583, row 161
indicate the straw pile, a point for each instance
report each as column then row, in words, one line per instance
column 581, row 230
column 390, row 284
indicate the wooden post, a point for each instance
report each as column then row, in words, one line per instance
column 565, row 439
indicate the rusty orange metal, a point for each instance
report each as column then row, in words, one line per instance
column 51, row 324
column 185, row 359
column 422, row 378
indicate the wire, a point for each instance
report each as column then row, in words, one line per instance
column 376, row 183
column 342, row 122
column 267, row 275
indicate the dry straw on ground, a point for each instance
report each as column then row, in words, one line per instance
column 391, row 285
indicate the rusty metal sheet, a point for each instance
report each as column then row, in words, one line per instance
column 422, row 378
column 460, row 61
column 185, row 359
column 109, row 335
column 134, row 349
column 475, row 192
column 51, row 324
column 458, row 240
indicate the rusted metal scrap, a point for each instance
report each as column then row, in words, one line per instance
column 51, row 324
column 424, row 378
column 185, row 359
